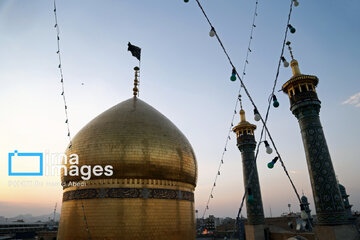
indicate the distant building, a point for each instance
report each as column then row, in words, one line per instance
column 210, row 223
column 21, row 230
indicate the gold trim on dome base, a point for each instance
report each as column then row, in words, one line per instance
column 137, row 209
column 124, row 219
column 131, row 182
column 124, row 193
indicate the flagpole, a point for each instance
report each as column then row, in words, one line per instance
column 139, row 77
column 136, row 52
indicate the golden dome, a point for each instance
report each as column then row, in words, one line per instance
column 151, row 192
column 138, row 141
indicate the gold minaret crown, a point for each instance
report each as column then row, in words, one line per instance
column 300, row 86
column 295, row 67
column 136, row 82
column 242, row 116
column 244, row 127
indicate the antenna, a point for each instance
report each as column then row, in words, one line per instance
column 55, row 211
column 289, row 206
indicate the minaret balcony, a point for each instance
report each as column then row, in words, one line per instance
column 245, row 138
column 302, row 97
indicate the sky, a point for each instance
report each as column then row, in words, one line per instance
column 184, row 75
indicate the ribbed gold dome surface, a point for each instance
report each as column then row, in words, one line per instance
column 151, row 192
column 138, row 141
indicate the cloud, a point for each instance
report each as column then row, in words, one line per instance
column 353, row 100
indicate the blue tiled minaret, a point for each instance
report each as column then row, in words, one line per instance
column 305, row 105
column 246, row 144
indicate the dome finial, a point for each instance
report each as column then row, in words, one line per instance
column 294, row 64
column 239, row 97
column 136, row 82
column 290, row 49
column 242, row 112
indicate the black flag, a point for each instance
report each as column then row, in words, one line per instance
column 135, row 51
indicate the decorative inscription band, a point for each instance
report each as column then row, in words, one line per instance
column 145, row 193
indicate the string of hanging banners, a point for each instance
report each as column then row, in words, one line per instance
column 238, row 100
column 58, row 52
column 256, row 112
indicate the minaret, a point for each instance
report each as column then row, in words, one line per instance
column 246, row 144
column 345, row 198
column 305, row 105
column 308, row 217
